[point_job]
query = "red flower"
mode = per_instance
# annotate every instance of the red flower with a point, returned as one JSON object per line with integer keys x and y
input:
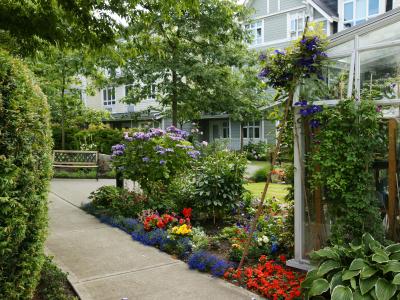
{"x": 160, "y": 224}
{"x": 187, "y": 212}
{"x": 181, "y": 221}
{"x": 282, "y": 258}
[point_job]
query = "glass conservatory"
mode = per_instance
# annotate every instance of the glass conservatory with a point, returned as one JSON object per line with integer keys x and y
{"x": 365, "y": 63}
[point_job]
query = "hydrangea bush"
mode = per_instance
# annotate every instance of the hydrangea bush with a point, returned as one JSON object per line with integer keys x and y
{"x": 154, "y": 158}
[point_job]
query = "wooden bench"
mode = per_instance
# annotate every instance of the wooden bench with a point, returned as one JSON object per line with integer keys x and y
{"x": 76, "y": 159}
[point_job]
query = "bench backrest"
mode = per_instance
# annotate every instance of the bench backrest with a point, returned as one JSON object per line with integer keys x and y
{"x": 71, "y": 157}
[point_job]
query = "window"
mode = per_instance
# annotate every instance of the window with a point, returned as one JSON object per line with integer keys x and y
{"x": 358, "y": 11}
{"x": 296, "y": 25}
{"x": 151, "y": 91}
{"x": 256, "y": 32}
{"x": 251, "y": 130}
{"x": 109, "y": 96}
{"x": 128, "y": 89}
{"x": 225, "y": 129}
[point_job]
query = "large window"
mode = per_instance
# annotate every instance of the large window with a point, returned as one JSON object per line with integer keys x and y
{"x": 256, "y": 32}
{"x": 225, "y": 129}
{"x": 251, "y": 130}
{"x": 296, "y": 25}
{"x": 109, "y": 96}
{"x": 358, "y": 11}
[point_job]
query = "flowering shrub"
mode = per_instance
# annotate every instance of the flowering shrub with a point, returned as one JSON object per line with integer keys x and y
{"x": 269, "y": 278}
{"x": 206, "y": 262}
{"x": 257, "y": 151}
{"x": 154, "y": 158}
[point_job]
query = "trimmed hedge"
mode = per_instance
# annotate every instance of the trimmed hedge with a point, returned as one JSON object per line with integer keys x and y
{"x": 25, "y": 170}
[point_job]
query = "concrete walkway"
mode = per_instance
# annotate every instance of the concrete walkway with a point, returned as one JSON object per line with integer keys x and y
{"x": 105, "y": 263}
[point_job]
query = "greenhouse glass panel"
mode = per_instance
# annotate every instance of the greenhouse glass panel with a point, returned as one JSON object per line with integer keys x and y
{"x": 346, "y": 47}
{"x": 380, "y": 73}
{"x": 385, "y": 34}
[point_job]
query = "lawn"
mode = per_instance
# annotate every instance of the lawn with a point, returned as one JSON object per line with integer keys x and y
{"x": 275, "y": 189}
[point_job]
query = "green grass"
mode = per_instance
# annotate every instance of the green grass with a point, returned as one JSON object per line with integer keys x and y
{"x": 275, "y": 189}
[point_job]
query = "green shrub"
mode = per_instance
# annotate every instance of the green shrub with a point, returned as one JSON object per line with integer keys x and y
{"x": 360, "y": 271}
{"x": 53, "y": 283}
{"x": 219, "y": 183}
{"x": 257, "y": 151}
{"x": 97, "y": 138}
{"x": 70, "y": 133}
{"x": 117, "y": 202}
{"x": 25, "y": 171}
{"x": 83, "y": 174}
{"x": 261, "y": 174}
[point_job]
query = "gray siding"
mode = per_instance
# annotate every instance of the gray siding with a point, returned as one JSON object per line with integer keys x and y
{"x": 273, "y": 6}
{"x": 235, "y": 127}
{"x": 269, "y": 132}
{"x": 288, "y": 4}
{"x": 275, "y": 28}
{"x": 259, "y": 7}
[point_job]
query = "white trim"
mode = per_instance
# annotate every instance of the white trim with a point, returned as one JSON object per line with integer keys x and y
{"x": 230, "y": 128}
{"x": 279, "y": 5}
{"x": 268, "y": 7}
{"x": 321, "y": 11}
{"x": 279, "y": 12}
{"x": 274, "y": 42}
{"x": 262, "y": 130}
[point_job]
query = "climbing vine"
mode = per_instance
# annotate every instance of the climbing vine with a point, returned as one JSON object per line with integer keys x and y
{"x": 342, "y": 151}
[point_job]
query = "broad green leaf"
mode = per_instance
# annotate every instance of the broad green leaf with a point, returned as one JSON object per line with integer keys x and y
{"x": 353, "y": 283}
{"x": 393, "y": 248}
{"x": 357, "y": 264}
{"x": 395, "y": 256}
{"x": 318, "y": 287}
{"x": 370, "y": 242}
{"x": 311, "y": 276}
{"x": 325, "y": 253}
{"x": 396, "y": 279}
{"x": 384, "y": 289}
{"x": 342, "y": 293}
{"x": 336, "y": 280}
{"x": 350, "y": 274}
{"x": 367, "y": 272}
{"x": 391, "y": 266}
{"x": 357, "y": 296}
{"x": 328, "y": 266}
{"x": 367, "y": 284}
{"x": 379, "y": 258}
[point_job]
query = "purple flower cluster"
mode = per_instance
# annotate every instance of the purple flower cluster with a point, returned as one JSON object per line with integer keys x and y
{"x": 193, "y": 153}
{"x": 145, "y": 159}
{"x": 175, "y": 132}
{"x": 118, "y": 150}
{"x": 309, "y": 110}
{"x": 145, "y": 136}
{"x": 312, "y": 56}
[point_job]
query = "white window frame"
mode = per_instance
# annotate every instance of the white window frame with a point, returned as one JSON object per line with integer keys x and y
{"x": 251, "y": 126}
{"x": 108, "y": 96}
{"x": 298, "y": 30}
{"x": 353, "y": 22}
{"x": 226, "y": 128}
{"x": 258, "y": 24}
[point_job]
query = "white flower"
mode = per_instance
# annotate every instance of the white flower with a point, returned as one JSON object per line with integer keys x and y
{"x": 204, "y": 143}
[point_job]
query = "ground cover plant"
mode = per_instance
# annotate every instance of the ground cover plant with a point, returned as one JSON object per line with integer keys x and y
{"x": 362, "y": 270}
{"x": 53, "y": 283}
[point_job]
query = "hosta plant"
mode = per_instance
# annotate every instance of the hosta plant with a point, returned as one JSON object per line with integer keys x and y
{"x": 366, "y": 270}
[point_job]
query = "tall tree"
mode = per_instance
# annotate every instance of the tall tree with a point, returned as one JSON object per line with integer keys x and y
{"x": 194, "y": 60}
{"x": 32, "y": 23}
{"x": 64, "y": 75}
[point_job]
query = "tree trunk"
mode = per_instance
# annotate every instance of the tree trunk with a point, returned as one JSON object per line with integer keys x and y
{"x": 174, "y": 103}
{"x": 62, "y": 118}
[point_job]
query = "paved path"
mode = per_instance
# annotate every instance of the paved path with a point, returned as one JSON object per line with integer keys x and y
{"x": 105, "y": 263}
